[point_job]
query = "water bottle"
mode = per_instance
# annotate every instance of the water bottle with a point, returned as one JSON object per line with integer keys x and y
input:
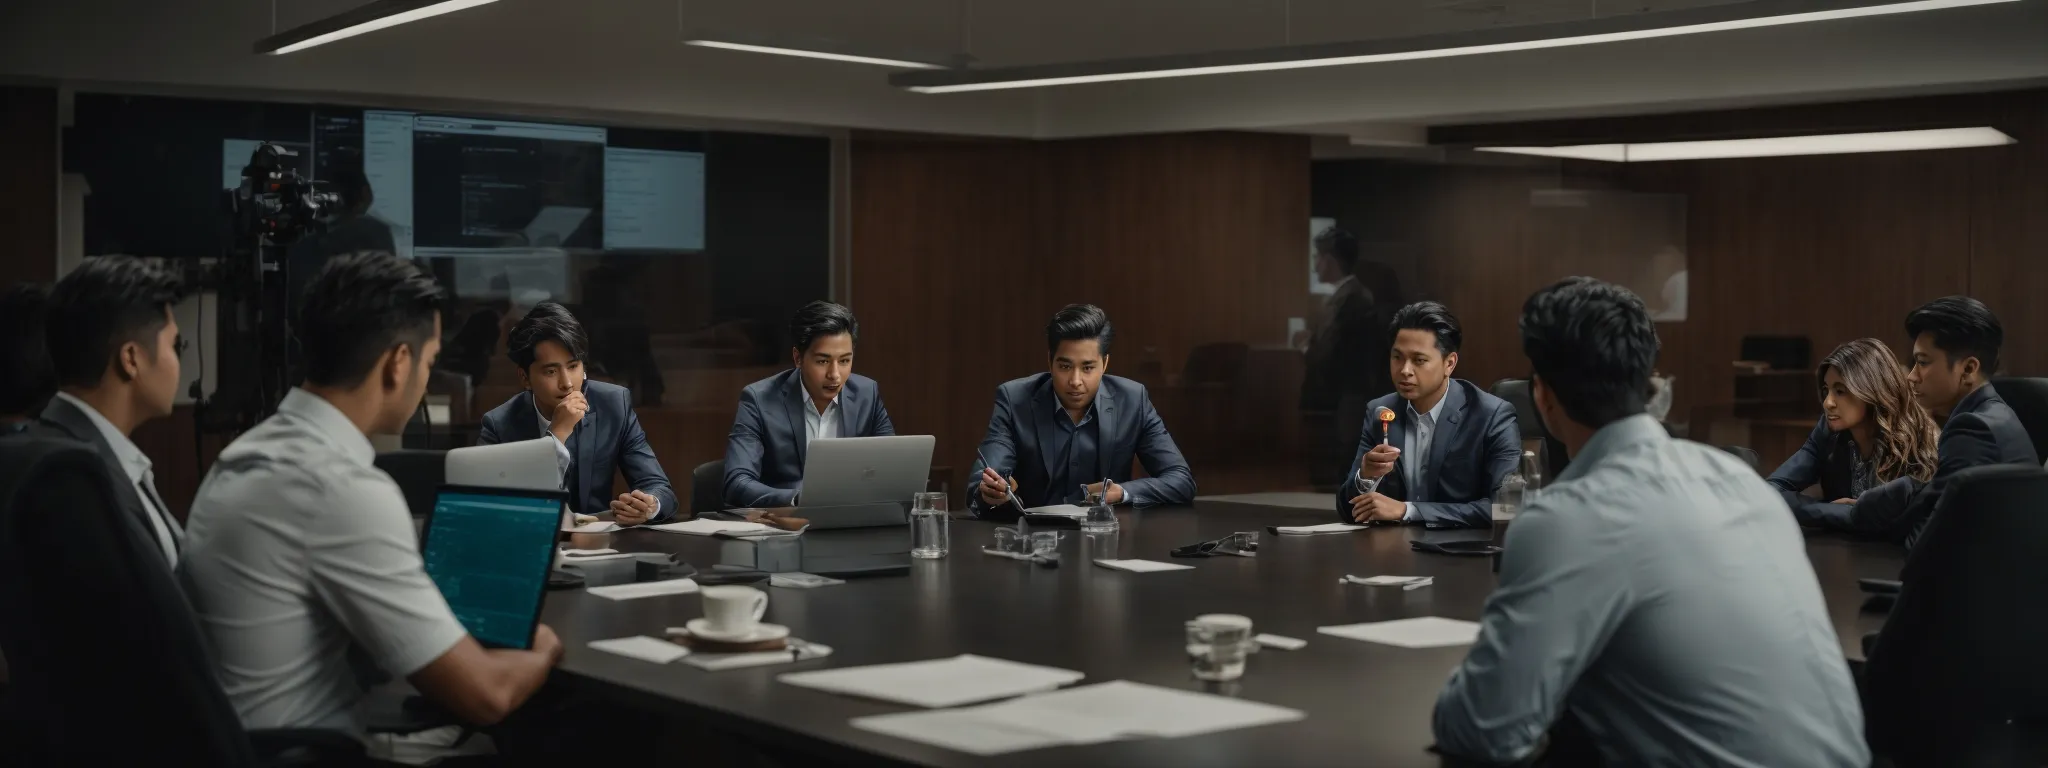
{"x": 1101, "y": 518}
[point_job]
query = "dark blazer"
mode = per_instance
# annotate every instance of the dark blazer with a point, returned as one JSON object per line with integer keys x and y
{"x": 608, "y": 439}
{"x": 1341, "y": 357}
{"x": 1981, "y": 431}
{"x": 1827, "y": 458}
{"x": 1477, "y": 445}
{"x": 66, "y": 420}
{"x": 1126, "y": 426}
{"x": 764, "y": 454}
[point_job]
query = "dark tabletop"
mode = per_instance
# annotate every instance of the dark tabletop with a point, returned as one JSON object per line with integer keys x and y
{"x": 1367, "y": 704}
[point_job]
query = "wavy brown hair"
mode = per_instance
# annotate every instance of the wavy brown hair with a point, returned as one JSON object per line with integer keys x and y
{"x": 1906, "y": 434}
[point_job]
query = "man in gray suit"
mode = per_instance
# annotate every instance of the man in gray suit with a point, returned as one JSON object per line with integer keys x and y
{"x": 114, "y": 344}
{"x": 820, "y": 397}
{"x": 1054, "y": 432}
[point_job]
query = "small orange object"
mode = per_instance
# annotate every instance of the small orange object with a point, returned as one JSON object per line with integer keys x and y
{"x": 1387, "y": 415}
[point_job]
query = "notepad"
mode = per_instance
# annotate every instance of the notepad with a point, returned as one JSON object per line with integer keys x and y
{"x": 1299, "y": 530}
{"x": 1059, "y": 510}
{"x": 1086, "y": 715}
{"x": 1404, "y": 582}
{"x": 646, "y": 589}
{"x": 706, "y": 527}
{"x": 1142, "y": 566}
{"x": 1424, "y": 632}
{"x": 642, "y": 647}
{"x": 963, "y": 679}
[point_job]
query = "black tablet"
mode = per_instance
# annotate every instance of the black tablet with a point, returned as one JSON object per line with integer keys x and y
{"x": 489, "y": 550}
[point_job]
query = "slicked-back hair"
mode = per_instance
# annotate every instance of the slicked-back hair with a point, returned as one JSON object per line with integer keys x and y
{"x": 547, "y": 321}
{"x": 1077, "y": 322}
{"x": 1962, "y": 328}
{"x": 819, "y": 319}
{"x": 106, "y": 302}
{"x": 1434, "y": 318}
{"x": 360, "y": 306}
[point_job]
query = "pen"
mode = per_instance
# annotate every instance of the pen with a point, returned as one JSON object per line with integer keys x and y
{"x": 1006, "y": 488}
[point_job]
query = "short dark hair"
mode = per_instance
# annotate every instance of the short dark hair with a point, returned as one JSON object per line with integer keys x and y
{"x": 1341, "y": 245}
{"x": 547, "y": 321}
{"x": 821, "y": 318}
{"x": 358, "y": 307}
{"x": 24, "y": 352}
{"x": 1594, "y": 346}
{"x": 1433, "y": 317}
{"x": 1081, "y": 321}
{"x": 1962, "y": 327}
{"x": 106, "y": 302}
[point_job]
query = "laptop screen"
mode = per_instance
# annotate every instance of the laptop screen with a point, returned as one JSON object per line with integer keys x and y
{"x": 489, "y": 552}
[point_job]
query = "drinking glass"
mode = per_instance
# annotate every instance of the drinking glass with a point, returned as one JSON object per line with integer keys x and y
{"x": 1216, "y": 645}
{"x": 1101, "y": 517}
{"x": 929, "y": 534}
{"x": 1045, "y": 542}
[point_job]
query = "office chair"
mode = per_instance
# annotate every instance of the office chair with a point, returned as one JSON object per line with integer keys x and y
{"x": 1530, "y": 425}
{"x": 419, "y": 474}
{"x": 1747, "y": 455}
{"x": 2029, "y": 400}
{"x": 104, "y": 652}
{"x": 1957, "y": 676}
{"x": 707, "y": 488}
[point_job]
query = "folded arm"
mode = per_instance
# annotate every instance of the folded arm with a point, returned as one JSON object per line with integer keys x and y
{"x": 1799, "y": 472}
{"x": 643, "y": 471}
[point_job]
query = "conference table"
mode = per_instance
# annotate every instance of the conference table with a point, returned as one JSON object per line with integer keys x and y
{"x": 1366, "y": 704}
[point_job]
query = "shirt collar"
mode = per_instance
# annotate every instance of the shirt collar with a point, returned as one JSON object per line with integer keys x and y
{"x": 330, "y": 423}
{"x": 811, "y": 406}
{"x": 132, "y": 458}
{"x": 1435, "y": 411}
{"x": 1640, "y": 428}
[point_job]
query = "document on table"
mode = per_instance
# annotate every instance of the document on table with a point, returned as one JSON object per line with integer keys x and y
{"x": 646, "y": 589}
{"x": 715, "y": 662}
{"x": 704, "y": 527}
{"x": 1406, "y": 583}
{"x": 1424, "y": 632}
{"x": 963, "y": 679}
{"x": 1086, "y": 715}
{"x": 1059, "y": 510}
{"x": 601, "y": 526}
{"x": 1142, "y": 566}
{"x": 642, "y": 647}
{"x": 1297, "y": 530}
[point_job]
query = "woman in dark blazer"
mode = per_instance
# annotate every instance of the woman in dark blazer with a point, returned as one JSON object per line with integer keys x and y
{"x": 1872, "y": 431}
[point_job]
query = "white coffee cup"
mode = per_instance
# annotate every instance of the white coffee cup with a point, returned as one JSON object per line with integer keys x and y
{"x": 734, "y": 609}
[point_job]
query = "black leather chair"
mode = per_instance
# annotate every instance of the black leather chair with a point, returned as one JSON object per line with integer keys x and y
{"x": 419, "y": 474}
{"x": 2029, "y": 400}
{"x": 1530, "y": 425}
{"x": 107, "y": 661}
{"x": 707, "y": 487}
{"x": 1746, "y": 454}
{"x": 1957, "y": 677}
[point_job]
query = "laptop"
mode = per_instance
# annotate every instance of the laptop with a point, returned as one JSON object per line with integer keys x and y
{"x": 860, "y": 481}
{"x": 489, "y": 551}
{"x": 529, "y": 464}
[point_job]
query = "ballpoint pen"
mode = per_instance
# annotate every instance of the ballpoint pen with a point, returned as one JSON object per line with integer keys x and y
{"x": 1006, "y": 486}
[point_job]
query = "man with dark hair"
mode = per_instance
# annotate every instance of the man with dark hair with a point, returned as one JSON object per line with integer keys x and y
{"x": 1450, "y": 444}
{"x": 24, "y": 354}
{"x": 1338, "y": 378}
{"x": 1955, "y": 353}
{"x": 114, "y": 346}
{"x": 1054, "y": 432}
{"x": 302, "y": 551}
{"x": 592, "y": 423}
{"x": 819, "y": 397}
{"x": 1656, "y": 596}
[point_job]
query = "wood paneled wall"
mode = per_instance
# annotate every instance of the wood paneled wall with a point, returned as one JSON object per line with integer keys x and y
{"x": 29, "y": 163}
{"x": 962, "y": 250}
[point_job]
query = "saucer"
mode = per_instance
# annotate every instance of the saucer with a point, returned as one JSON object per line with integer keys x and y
{"x": 762, "y": 632}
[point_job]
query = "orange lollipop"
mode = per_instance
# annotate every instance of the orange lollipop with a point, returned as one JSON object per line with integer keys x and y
{"x": 1386, "y": 417}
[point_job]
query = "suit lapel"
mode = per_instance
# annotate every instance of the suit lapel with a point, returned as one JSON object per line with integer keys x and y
{"x": 1048, "y": 408}
{"x": 65, "y": 416}
{"x": 1105, "y": 429}
{"x": 1447, "y": 427}
{"x": 792, "y": 407}
{"x": 847, "y": 397}
{"x": 1396, "y": 434}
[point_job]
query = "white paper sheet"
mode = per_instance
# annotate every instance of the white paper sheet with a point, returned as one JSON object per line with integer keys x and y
{"x": 963, "y": 679}
{"x": 1062, "y": 510}
{"x": 601, "y": 526}
{"x": 1406, "y": 583}
{"x": 1086, "y": 715}
{"x": 1298, "y": 530}
{"x": 1424, "y": 632}
{"x": 707, "y": 527}
{"x": 642, "y": 647}
{"x": 646, "y": 589}
{"x": 1281, "y": 642}
{"x": 714, "y": 662}
{"x": 1142, "y": 566}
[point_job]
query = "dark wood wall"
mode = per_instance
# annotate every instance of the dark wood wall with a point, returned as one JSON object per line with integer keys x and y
{"x": 962, "y": 250}
{"x": 29, "y": 167}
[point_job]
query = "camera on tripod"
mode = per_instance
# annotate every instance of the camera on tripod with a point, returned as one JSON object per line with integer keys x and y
{"x": 274, "y": 203}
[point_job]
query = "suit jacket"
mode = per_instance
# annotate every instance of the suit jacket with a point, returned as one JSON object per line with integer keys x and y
{"x": 66, "y": 420}
{"x": 1477, "y": 445}
{"x": 764, "y": 454}
{"x": 1344, "y": 351}
{"x": 1126, "y": 426}
{"x": 1827, "y": 458}
{"x": 1981, "y": 431}
{"x": 608, "y": 439}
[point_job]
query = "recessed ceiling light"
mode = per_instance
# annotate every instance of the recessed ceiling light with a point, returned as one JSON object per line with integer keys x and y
{"x": 1782, "y": 146}
{"x": 368, "y": 17}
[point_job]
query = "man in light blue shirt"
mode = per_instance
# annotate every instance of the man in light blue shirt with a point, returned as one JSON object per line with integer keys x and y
{"x": 1657, "y": 593}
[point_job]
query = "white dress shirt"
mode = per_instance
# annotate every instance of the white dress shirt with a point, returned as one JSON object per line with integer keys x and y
{"x": 1421, "y": 435}
{"x": 547, "y": 427}
{"x": 140, "y": 478}
{"x": 299, "y": 551}
{"x": 820, "y": 424}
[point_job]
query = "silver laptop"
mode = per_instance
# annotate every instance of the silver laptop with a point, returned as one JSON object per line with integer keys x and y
{"x": 526, "y": 465}
{"x": 860, "y": 481}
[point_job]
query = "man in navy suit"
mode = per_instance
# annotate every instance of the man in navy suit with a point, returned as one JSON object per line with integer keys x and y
{"x": 1955, "y": 351}
{"x": 1054, "y": 432}
{"x": 1450, "y": 444}
{"x": 779, "y": 416}
{"x": 592, "y": 423}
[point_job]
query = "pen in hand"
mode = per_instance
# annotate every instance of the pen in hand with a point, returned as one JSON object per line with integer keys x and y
{"x": 1007, "y": 491}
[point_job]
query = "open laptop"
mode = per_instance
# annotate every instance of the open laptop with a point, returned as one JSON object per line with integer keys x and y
{"x": 489, "y": 551}
{"x": 851, "y": 482}
{"x": 528, "y": 464}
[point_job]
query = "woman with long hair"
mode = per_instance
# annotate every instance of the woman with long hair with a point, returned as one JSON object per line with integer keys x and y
{"x": 1872, "y": 431}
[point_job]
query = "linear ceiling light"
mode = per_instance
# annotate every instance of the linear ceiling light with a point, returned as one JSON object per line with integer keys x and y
{"x": 1830, "y": 144}
{"x": 813, "y": 54}
{"x": 368, "y": 17}
{"x": 1689, "y": 21}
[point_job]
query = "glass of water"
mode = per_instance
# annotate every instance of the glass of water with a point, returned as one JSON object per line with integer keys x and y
{"x": 1216, "y": 645}
{"x": 929, "y": 537}
{"x": 1101, "y": 517}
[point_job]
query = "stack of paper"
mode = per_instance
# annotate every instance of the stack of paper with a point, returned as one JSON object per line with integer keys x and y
{"x": 1404, "y": 582}
{"x": 646, "y": 589}
{"x": 1424, "y": 632}
{"x": 1086, "y": 715}
{"x": 963, "y": 679}
{"x": 1142, "y": 566}
{"x": 1300, "y": 530}
{"x": 707, "y": 527}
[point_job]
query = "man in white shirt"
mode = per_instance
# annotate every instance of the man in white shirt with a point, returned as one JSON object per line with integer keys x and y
{"x": 114, "y": 344}
{"x": 299, "y": 550}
